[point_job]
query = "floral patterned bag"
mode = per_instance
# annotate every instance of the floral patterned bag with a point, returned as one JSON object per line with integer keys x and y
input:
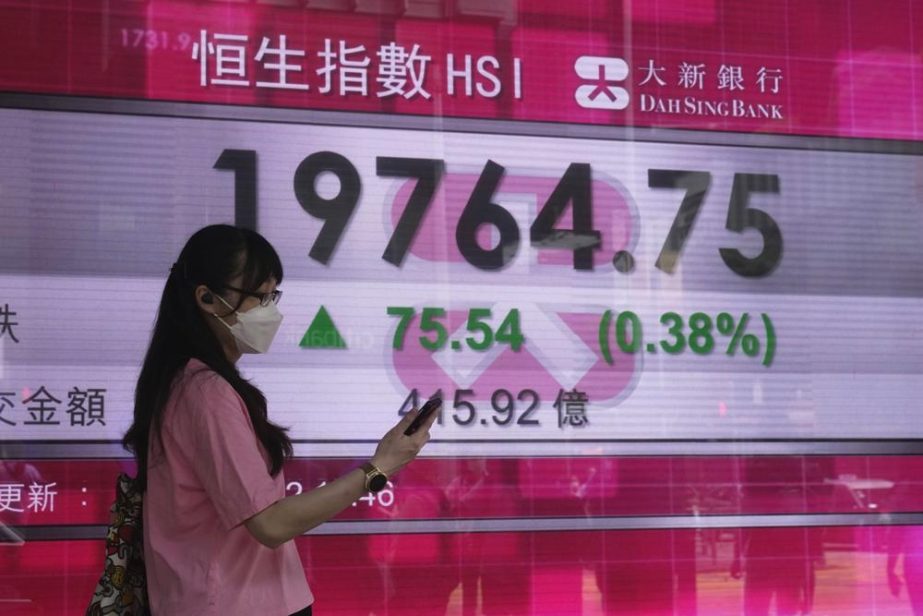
{"x": 122, "y": 588}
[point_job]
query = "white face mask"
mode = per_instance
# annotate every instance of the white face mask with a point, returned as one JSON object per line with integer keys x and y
{"x": 255, "y": 329}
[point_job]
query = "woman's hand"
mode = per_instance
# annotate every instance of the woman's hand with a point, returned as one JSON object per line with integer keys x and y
{"x": 295, "y": 515}
{"x": 396, "y": 450}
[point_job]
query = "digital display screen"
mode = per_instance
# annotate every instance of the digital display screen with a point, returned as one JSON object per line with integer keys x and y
{"x": 552, "y": 288}
{"x": 660, "y": 260}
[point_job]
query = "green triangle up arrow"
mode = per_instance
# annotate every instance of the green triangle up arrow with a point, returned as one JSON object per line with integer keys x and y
{"x": 322, "y": 333}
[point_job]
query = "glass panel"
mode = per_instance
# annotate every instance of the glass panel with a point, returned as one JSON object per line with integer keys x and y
{"x": 731, "y": 571}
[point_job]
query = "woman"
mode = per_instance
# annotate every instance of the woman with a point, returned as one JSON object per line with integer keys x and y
{"x": 218, "y": 527}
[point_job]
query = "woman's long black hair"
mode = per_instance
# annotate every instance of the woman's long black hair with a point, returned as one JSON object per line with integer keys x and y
{"x": 213, "y": 256}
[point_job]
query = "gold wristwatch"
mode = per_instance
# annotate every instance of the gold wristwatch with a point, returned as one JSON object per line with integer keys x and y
{"x": 375, "y": 479}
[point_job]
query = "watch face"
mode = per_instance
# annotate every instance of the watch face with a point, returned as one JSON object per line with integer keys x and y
{"x": 377, "y": 482}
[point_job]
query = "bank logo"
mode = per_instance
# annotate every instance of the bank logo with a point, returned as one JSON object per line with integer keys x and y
{"x": 561, "y": 352}
{"x": 605, "y": 75}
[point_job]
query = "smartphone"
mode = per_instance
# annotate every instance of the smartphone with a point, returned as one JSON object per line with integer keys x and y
{"x": 432, "y": 405}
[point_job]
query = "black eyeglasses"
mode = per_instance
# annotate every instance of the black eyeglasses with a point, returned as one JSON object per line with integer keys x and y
{"x": 273, "y": 297}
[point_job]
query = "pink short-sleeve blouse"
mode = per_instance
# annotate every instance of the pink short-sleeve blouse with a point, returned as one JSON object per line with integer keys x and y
{"x": 211, "y": 475}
